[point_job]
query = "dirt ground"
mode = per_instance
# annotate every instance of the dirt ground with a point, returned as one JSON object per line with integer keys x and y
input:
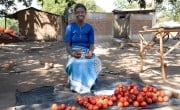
{"x": 22, "y": 66}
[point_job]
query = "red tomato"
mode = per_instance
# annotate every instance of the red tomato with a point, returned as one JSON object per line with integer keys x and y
{"x": 95, "y": 107}
{"x": 105, "y": 105}
{"x": 154, "y": 99}
{"x": 110, "y": 103}
{"x": 143, "y": 104}
{"x": 149, "y": 94}
{"x": 144, "y": 89}
{"x": 126, "y": 104}
{"x": 149, "y": 100}
{"x": 154, "y": 89}
{"x": 120, "y": 104}
{"x": 122, "y": 99}
{"x": 114, "y": 98}
{"x": 136, "y": 104}
{"x": 73, "y": 108}
{"x": 140, "y": 98}
{"x": 68, "y": 108}
{"x": 62, "y": 106}
{"x": 90, "y": 107}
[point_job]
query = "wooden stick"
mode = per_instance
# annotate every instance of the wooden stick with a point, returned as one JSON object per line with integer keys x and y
{"x": 172, "y": 48}
{"x": 141, "y": 52}
{"x": 162, "y": 57}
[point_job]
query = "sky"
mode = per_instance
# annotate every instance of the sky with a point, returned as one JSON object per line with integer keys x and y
{"x": 107, "y": 5}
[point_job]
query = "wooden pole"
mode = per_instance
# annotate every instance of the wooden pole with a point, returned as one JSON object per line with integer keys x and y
{"x": 141, "y": 53}
{"x": 162, "y": 56}
{"x": 5, "y": 22}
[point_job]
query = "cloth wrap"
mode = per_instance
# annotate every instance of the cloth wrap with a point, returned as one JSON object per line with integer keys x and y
{"x": 82, "y": 72}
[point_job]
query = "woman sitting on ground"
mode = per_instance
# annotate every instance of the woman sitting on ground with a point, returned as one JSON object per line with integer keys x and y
{"x": 83, "y": 66}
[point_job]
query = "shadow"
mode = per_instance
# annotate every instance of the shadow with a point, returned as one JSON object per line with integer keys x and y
{"x": 28, "y": 72}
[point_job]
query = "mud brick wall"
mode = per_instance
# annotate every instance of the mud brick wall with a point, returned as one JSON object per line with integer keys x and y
{"x": 39, "y": 25}
{"x": 137, "y": 21}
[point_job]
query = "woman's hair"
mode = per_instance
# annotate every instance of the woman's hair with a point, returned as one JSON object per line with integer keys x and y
{"x": 79, "y": 5}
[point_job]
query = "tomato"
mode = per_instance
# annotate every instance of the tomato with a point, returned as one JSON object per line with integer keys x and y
{"x": 161, "y": 93}
{"x": 132, "y": 91}
{"x": 62, "y": 107}
{"x": 68, "y": 108}
{"x": 133, "y": 97}
{"x": 144, "y": 89}
{"x": 126, "y": 104}
{"x": 142, "y": 93}
{"x": 130, "y": 100}
{"x": 154, "y": 89}
{"x": 149, "y": 100}
{"x": 122, "y": 99}
{"x": 105, "y": 105}
{"x": 119, "y": 96}
{"x": 110, "y": 103}
{"x": 92, "y": 101}
{"x": 114, "y": 98}
{"x": 90, "y": 107}
{"x": 129, "y": 87}
{"x": 54, "y": 107}
{"x": 154, "y": 99}
{"x": 136, "y": 104}
{"x": 150, "y": 89}
{"x": 73, "y": 108}
{"x": 136, "y": 92}
{"x": 120, "y": 104}
{"x": 140, "y": 98}
{"x": 165, "y": 98}
{"x": 95, "y": 107}
{"x": 160, "y": 99}
{"x": 149, "y": 94}
{"x": 143, "y": 104}
{"x": 116, "y": 91}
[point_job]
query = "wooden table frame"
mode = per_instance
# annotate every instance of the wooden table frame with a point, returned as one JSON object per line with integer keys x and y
{"x": 144, "y": 45}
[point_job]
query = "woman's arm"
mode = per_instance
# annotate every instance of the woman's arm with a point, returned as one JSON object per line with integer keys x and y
{"x": 70, "y": 52}
{"x": 68, "y": 49}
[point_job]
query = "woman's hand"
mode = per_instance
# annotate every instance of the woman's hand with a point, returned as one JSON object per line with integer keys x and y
{"x": 89, "y": 54}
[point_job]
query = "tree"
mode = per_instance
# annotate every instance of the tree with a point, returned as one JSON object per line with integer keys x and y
{"x": 142, "y": 3}
{"x": 124, "y": 4}
{"x": 90, "y": 5}
{"x": 59, "y": 6}
{"x": 168, "y": 11}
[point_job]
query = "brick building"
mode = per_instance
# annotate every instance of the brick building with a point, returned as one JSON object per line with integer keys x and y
{"x": 127, "y": 23}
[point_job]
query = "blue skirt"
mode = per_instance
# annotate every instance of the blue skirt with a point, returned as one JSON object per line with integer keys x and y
{"x": 82, "y": 72}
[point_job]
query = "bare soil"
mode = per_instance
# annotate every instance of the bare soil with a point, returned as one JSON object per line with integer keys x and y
{"x": 25, "y": 65}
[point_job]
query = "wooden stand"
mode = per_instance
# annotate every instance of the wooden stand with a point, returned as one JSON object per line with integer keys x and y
{"x": 144, "y": 45}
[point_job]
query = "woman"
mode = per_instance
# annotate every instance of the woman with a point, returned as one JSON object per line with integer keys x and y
{"x": 83, "y": 66}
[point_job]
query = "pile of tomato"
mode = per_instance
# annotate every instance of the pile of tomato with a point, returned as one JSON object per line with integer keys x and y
{"x": 62, "y": 107}
{"x": 124, "y": 96}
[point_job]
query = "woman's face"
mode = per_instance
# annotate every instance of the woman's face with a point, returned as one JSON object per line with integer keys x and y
{"x": 80, "y": 14}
